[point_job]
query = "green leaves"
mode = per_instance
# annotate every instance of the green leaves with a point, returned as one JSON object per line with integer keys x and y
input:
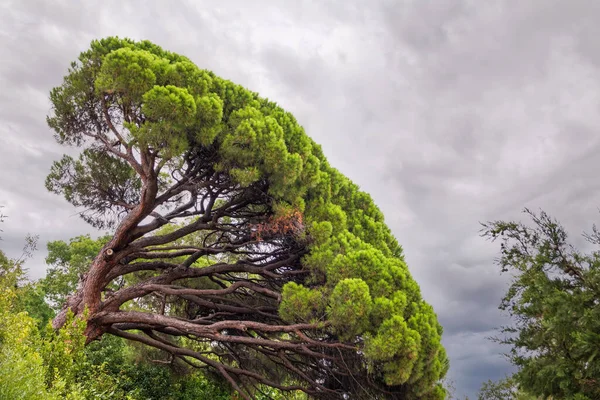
{"x": 101, "y": 183}
{"x": 397, "y": 346}
{"x": 66, "y": 263}
{"x": 168, "y": 110}
{"x": 281, "y": 237}
{"x": 554, "y": 299}
{"x": 128, "y": 72}
{"x": 21, "y": 366}
{"x": 209, "y": 116}
{"x": 169, "y": 104}
{"x": 301, "y": 304}
{"x": 349, "y": 308}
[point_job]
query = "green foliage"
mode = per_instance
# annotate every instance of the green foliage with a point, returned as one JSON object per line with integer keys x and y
{"x": 64, "y": 355}
{"x": 57, "y": 365}
{"x": 349, "y": 307}
{"x": 119, "y": 370}
{"x": 300, "y": 303}
{"x": 21, "y": 366}
{"x": 504, "y": 389}
{"x": 554, "y": 299}
{"x": 91, "y": 181}
{"x": 179, "y": 118}
{"x": 22, "y": 295}
{"x": 130, "y": 73}
{"x": 398, "y": 344}
{"x": 21, "y": 369}
{"x": 68, "y": 261}
{"x": 32, "y": 299}
{"x": 169, "y": 110}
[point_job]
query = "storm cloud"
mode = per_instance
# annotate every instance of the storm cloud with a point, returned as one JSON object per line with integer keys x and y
{"x": 448, "y": 113}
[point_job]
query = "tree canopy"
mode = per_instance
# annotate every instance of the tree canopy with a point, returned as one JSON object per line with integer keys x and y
{"x": 234, "y": 245}
{"x": 554, "y": 301}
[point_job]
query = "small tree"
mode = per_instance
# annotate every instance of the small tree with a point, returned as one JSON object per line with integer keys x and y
{"x": 554, "y": 300}
{"x": 273, "y": 267}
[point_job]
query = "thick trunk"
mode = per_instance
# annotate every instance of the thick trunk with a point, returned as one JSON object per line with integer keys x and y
{"x": 91, "y": 285}
{"x": 87, "y": 296}
{"x": 73, "y": 303}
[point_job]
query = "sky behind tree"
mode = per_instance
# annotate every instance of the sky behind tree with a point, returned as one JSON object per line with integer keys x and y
{"x": 448, "y": 113}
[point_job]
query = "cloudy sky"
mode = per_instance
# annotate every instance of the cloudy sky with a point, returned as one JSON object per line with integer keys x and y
{"x": 448, "y": 112}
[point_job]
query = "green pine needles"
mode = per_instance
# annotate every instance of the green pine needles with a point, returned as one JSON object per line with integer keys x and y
{"x": 235, "y": 244}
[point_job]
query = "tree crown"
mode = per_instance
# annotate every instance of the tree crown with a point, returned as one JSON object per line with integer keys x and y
{"x": 223, "y": 205}
{"x": 553, "y": 299}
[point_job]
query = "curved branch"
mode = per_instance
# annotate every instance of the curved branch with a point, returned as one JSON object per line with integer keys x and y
{"x": 178, "y": 290}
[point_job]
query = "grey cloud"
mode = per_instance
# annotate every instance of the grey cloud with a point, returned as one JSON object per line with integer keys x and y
{"x": 506, "y": 113}
{"x": 474, "y": 360}
{"x": 449, "y": 113}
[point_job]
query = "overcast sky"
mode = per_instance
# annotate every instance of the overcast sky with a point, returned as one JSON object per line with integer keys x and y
{"x": 447, "y": 112}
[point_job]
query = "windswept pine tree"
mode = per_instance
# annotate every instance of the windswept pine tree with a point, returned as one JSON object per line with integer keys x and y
{"x": 235, "y": 245}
